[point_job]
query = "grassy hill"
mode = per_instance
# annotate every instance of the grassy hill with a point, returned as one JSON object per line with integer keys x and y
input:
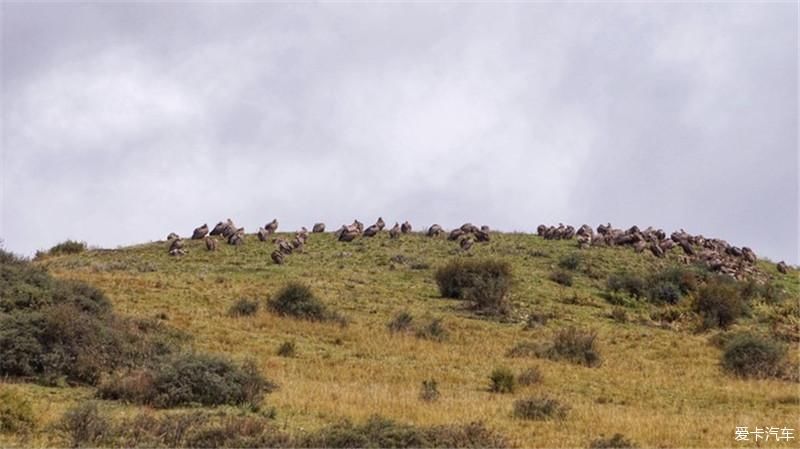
{"x": 660, "y": 381}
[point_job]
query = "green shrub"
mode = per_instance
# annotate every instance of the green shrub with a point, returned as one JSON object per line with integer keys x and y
{"x": 719, "y": 303}
{"x": 486, "y": 283}
{"x": 401, "y": 322}
{"x": 188, "y": 379}
{"x": 664, "y": 292}
{"x": 575, "y": 345}
{"x": 243, "y": 307}
{"x": 429, "y": 391}
{"x": 530, "y": 376}
{"x": 628, "y": 283}
{"x": 433, "y": 330}
{"x": 561, "y": 277}
{"x": 298, "y": 301}
{"x": 618, "y": 441}
{"x": 570, "y": 262}
{"x": 67, "y": 247}
{"x": 16, "y": 414}
{"x": 502, "y": 381}
{"x": 539, "y": 408}
{"x": 686, "y": 279}
{"x": 748, "y": 355}
{"x": 286, "y": 349}
{"x": 84, "y": 426}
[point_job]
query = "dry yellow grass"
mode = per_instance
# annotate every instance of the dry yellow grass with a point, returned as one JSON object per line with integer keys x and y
{"x": 659, "y": 387}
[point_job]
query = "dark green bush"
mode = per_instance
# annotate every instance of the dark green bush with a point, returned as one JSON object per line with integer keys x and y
{"x": 687, "y": 279}
{"x": 561, "y": 277}
{"x": 570, "y": 262}
{"x": 628, "y": 283}
{"x": 188, "y": 379}
{"x": 618, "y": 441}
{"x": 16, "y": 414}
{"x": 84, "y": 425}
{"x": 530, "y": 376}
{"x": 720, "y": 304}
{"x": 286, "y": 349}
{"x": 502, "y": 381}
{"x": 575, "y": 345}
{"x": 539, "y": 408}
{"x": 298, "y": 301}
{"x": 243, "y": 307}
{"x": 67, "y": 247}
{"x": 429, "y": 391}
{"x": 664, "y": 292}
{"x": 486, "y": 283}
{"x": 401, "y": 322}
{"x": 748, "y": 355}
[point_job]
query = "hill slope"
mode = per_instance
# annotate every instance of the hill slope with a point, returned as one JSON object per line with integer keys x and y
{"x": 659, "y": 383}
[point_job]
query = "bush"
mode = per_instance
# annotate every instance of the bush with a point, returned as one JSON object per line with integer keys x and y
{"x": 628, "y": 283}
{"x": 537, "y": 319}
{"x": 429, "y": 391}
{"x": 472, "y": 435}
{"x": 84, "y": 425}
{"x": 748, "y": 355}
{"x": 539, "y": 408}
{"x": 401, "y": 322}
{"x": 575, "y": 345}
{"x": 561, "y": 277}
{"x": 16, "y": 414}
{"x": 502, "y": 381}
{"x": 434, "y": 330}
{"x": 618, "y": 441}
{"x": 530, "y": 376}
{"x": 526, "y": 349}
{"x": 243, "y": 307}
{"x": 719, "y": 303}
{"x": 619, "y": 315}
{"x": 190, "y": 379}
{"x": 297, "y": 300}
{"x": 684, "y": 278}
{"x": 664, "y": 292}
{"x": 67, "y": 247}
{"x": 286, "y": 349}
{"x": 570, "y": 261}
{"x": 486, "y": 283}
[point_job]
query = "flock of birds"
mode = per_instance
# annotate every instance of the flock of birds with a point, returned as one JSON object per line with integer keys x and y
{"x": 466, "y": 235}
{"x": 716, "y": 254}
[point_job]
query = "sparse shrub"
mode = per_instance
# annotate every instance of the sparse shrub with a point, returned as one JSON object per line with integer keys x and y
{"x": 429, "y": 391}
{"x": 719, "y": 303}
{"x": 539, "y": 408}
{"x": 190, "y": 379}
{"x": 401, "y": 322}
{"x": 502, "y": 381}
{"x": 575, "y": 345}
{"x": 748, "y": 355}
{"x": 561, "y": 277}
{"x": 530, "y": 376}
{"x": 486, "y": 283}
{"x": 537, "y": 319}
{"x": 664, "y": 292}
{"x": 67, "y": 247}
{"x": 420, "y": 265}
{"x": 433, "y": 330}
{"x": 686, "y": 279}
{"x": 375, "y": 432}
{"x": 286, "y": 349}
{"x": 619, "y": 315}
{"x": 570, "y": 262}
{"x": 472, "y": 435}
{"x": 243, "y": 307}
{"x": 84, "y": 425}
{"x": 628, "y": 283}
{"x": 297, "y": 300}
{"x": 16, "y": 414}
{"x": 618, "y": 441}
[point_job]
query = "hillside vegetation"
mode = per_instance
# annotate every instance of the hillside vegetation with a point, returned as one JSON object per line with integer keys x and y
{"x": 356, "y": 344}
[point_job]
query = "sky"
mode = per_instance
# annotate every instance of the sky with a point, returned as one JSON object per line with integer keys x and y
{"x": 124, "y": 122}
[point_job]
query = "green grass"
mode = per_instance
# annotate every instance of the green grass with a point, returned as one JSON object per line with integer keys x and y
{"x": 658, "y": 385}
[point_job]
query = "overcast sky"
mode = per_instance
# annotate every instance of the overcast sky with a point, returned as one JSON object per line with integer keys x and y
{"x": 123, "y": 122}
